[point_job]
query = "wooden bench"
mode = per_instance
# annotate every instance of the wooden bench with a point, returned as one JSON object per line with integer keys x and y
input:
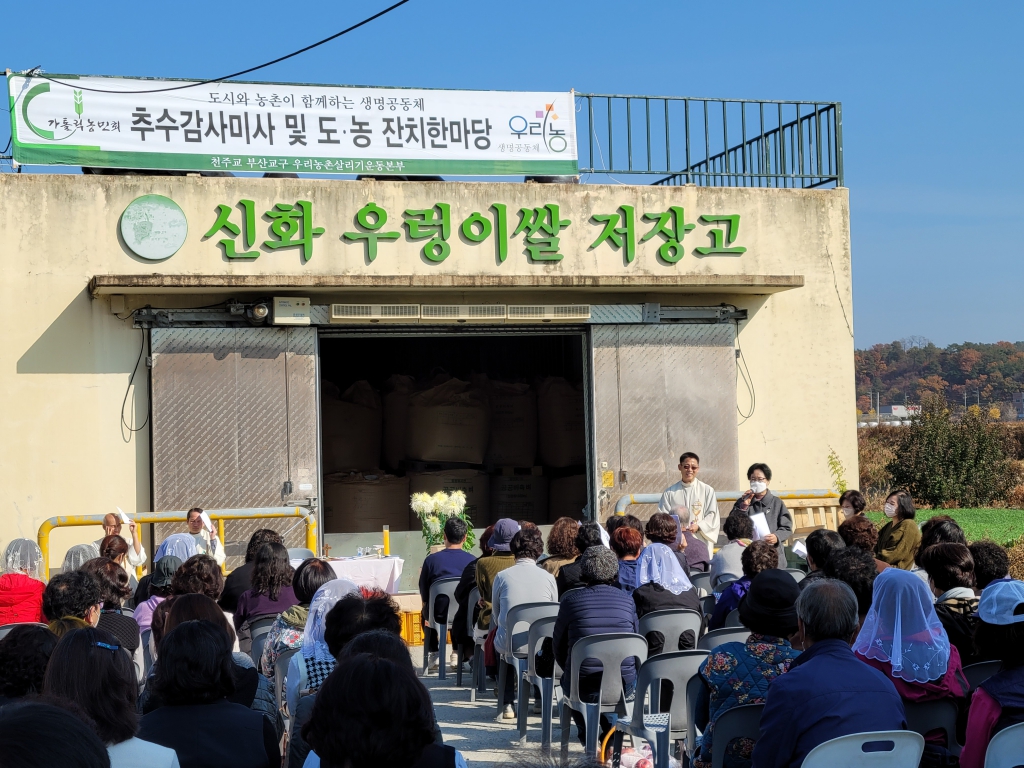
{"x": 814, "y": 514}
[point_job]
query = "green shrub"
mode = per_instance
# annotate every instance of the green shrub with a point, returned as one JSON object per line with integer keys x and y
{"x": 943, "y": 462}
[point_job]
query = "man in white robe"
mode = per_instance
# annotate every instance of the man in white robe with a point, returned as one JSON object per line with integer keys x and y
{"x": 697, "y": 497}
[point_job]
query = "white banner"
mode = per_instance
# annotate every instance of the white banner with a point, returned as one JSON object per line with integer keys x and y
{"x": 274, "y": 127}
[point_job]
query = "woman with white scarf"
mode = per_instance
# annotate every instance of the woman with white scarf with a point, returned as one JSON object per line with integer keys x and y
{"x": 662, "y": 584}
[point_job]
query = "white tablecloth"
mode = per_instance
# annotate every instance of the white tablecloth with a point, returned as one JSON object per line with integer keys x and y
{"x": 375, "y": 573}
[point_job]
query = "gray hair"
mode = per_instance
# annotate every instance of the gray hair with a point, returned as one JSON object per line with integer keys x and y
{"x": 828, "y": 609}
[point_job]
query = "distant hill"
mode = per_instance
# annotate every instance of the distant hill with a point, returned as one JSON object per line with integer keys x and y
{"x": 904, "y": 371}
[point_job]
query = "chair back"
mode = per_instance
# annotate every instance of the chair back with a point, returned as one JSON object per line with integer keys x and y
{"x": 147, "y": 653}
{"x": 258, "y": 631}
{"x": 888, "y": 749}
{"x": 707, "y": 604}
{"x": 519, "y": 619}
{"x": 300, "y": 553}
{"x": 474, "y": 598}
{"x": 797, "y": 574}
{"x": 1006, "y": 749}
{"x": 925, "y": 716}
{"x": 281, "y": 674}
{"x": 672, "y": 624}
{"x": 676, "y": 667}
{"x": 732, "y": 621}
{"x": 540, "y": 630}
{"x": 693, "y": 686}
{"x": 701, "y": 581}
{"x": 441, "y": 587}
{"x": 561, "y": 597}
{"x": 977, "y": 674}
{"x": 6, "y": 628}
{"x": 737, "y": 723}
{"x": 611, "y": 650}
{"x": 716, "y": 637}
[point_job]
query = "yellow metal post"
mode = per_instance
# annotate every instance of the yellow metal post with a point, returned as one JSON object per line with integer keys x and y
{"x": 220, "y": 535}
{"x": 387, "y": 540}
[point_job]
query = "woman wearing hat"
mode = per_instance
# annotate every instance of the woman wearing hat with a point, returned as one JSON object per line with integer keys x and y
{"x": 740, "y": 673}
{"x": 489, "y": 567}
{"x": 999, "y": 702}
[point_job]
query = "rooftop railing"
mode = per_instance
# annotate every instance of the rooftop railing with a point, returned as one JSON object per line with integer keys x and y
{"x": 711, "y": 142}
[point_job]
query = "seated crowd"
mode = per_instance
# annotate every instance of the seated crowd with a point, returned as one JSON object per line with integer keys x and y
{"x": 882, "y": 621}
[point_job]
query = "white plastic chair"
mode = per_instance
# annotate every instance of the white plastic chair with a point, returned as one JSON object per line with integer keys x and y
{"x": 893, "y": 749}
{"x": 540, "y": 630}
{"x": 977, "y": 674}
{"x": 926, "y": 716}
{"x": 258, "y": 631}
{"x": 479, "y": 673}
{"x": 440, "y": 587}
{"x": 517, "y": 632}
{"x": 702, "y": 582}
{"x": 717, "y": 637}
{"x": 1006, "y": 749}
{"x": 6, "y": 628}
{"x": 732, "y": 621}
{"x": 280, "y": 681}
{"x": 797, "y": 574}
{"x": 671, "y": 624}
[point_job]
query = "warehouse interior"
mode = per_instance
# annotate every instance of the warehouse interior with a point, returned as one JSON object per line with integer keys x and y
{"x": 499, "y": 415}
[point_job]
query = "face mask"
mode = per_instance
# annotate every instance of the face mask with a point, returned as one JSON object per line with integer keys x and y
{"x": 890, "y": 510}
{"x": 758, "y": 487}
{"x": 848, "y": 511}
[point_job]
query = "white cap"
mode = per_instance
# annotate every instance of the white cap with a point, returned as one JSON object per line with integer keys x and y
{"x": 999, "y": 600}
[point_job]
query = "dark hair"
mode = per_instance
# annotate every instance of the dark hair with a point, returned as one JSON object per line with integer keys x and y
{"x": 859, "y": 532}
{"x": 615, "y": 522}
{"x": 941, "y": 529}
{"x": 738, "y": 527}
{"x": 197, "y": 608}
{"x": 1002, "y": 641}
{"x": 759, "y": 556}
{"x": 380, "y": 644}
{"x": 485, "y": 541}
{"x": 355, "y": 613}
{"x": 71, "y": 594}
{"x": 856, "y": 499}
{"x": 855, "y": 567}
{"x": 113, "y": 547}
{"x": 158, "y": 622}
{"x": 763, "y": 467}
{"x": 528, "y": 542}
{"x": 309, "y": 577}
{"x": 100, "y": 680}
{"x": 199, "y": 575}
{"x": 271, "y": 571}
{"x": 627, "y": 541}
{"x": 258, "y": 539}
{"x": 455, "y": 530}
{"x": 588, "y": 535}
{"x": 195, "y": 665}
{"x": 188, "y": 515}
{"x": 689, "y": 455}
{"x": 821, "y": 544}
{"x": 662, "y": 529}
{"x": 112, "y": 578}
{"x": 36, "y": 733}
{"x": 370, "y": 711}
{"x": 562, "y": 539}
{"x": 948, "y": 565}
{"x": 991, "y": 562}
{"x": 24, "y": 653}
{"x": 904, "y": 504}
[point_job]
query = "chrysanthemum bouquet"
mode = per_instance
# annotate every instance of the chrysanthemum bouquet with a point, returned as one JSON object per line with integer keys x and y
{"x": 434, "y": 511}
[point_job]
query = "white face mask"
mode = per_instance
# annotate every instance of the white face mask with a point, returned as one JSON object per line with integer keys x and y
{"x": 890, "y": 509}
{"x": 758, "y": 486}
{"x": 847, "y": 512}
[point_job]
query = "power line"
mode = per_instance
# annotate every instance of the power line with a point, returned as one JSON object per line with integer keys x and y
{"x": 234, "y": 74}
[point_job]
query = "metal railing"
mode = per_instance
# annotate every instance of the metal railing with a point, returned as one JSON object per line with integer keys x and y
{"x": 654, "y": 498}
{"x": 220, "y": 515}
{"x": 711, "y": 142}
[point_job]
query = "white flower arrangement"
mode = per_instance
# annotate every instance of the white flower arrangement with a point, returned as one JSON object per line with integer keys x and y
{"x": 434, "y": 511}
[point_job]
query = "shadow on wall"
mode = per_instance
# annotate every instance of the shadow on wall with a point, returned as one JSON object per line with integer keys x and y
{"x": 85, "y": 338}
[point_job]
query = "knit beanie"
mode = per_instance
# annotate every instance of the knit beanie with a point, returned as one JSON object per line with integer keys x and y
{"x": 599, "y": 565}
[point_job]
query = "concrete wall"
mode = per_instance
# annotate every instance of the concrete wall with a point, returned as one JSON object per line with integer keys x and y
{"x": 66, "y": 360}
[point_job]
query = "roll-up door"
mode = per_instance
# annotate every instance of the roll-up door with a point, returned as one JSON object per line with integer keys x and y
{"x": 235, "y": 423}
{"x": 661, "y": 389}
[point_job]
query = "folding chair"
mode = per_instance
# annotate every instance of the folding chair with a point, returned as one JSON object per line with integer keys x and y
{"x": 717, "y": 637}
{"x": 925, "y": 716}
{"x": 671, "y": 624}
{"x": 518, "y": 636}
{"x": 657, "y": 728}
{"x": 737, "y": 723}
{"x": 540, "y": 630}
{"x": 889, "y": 749}
{"x": 440, "y": 587}
{"x": 611, "y": 650}
{"x": 1006, "y": 749}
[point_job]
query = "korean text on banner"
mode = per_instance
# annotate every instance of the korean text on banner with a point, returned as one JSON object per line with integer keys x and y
{"x": 234, "y": 126}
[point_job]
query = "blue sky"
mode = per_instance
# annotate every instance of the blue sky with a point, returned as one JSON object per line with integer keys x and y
{"x": 931, "y": 102}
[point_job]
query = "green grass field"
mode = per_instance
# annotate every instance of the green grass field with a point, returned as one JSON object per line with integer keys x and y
{"x": 1001, "y": 525}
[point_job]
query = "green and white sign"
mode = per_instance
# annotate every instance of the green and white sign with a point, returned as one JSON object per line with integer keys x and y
{"x": 273, "y": 127}
{"x": 154, "y": 227}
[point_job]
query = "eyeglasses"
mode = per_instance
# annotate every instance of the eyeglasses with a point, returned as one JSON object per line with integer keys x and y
{"x": 108, "y": 646}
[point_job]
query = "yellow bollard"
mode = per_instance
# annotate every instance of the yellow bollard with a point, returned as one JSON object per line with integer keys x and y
{"x": 387, "y": 540}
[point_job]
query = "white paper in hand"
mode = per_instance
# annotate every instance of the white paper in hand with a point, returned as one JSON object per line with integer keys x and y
{"x": 760, "y": 526}
{"x": 124, "y": 517}
{"x": 799, "y": 549}
{"x": 208, "y": 523}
